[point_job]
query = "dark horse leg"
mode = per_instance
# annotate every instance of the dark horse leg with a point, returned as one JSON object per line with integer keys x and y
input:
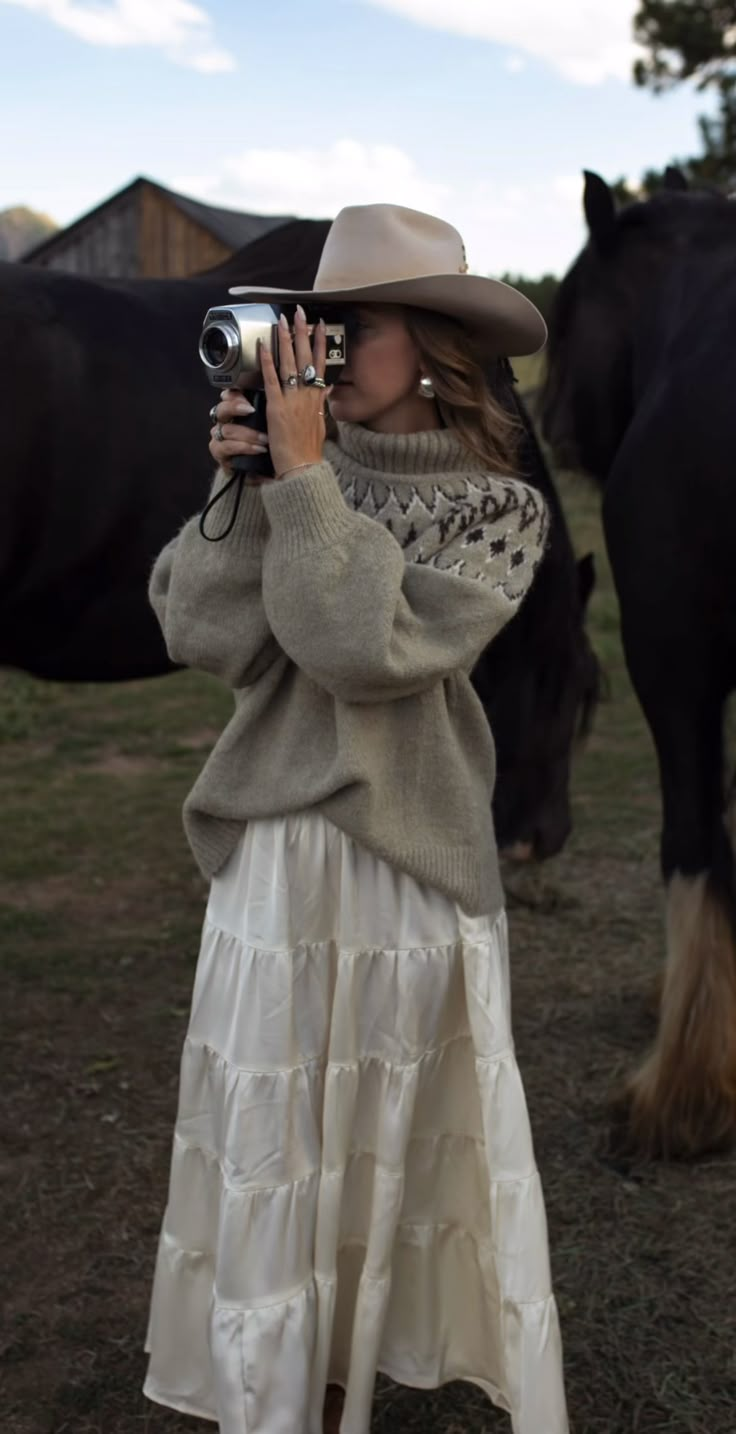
{"x": 682, "y": 1100}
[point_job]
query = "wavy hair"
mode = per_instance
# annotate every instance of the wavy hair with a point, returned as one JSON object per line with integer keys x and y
{"x": 464, "y": 384}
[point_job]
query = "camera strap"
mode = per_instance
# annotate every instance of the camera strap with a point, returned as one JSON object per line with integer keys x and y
{"x": 238, "y": 478}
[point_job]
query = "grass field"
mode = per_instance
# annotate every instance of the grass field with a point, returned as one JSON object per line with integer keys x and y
{"x": 100, "y": 908}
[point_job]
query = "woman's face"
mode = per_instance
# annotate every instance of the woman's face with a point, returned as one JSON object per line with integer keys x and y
{"x": 379, "y": 386}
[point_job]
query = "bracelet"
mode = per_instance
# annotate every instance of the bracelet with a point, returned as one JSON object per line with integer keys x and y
{"x": 296, "y": 468}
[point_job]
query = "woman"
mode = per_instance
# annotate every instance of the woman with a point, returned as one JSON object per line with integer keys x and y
{"x": 353, "y": 1185}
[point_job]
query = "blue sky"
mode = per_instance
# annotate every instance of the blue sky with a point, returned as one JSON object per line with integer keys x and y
{"x": 482, "y": 111}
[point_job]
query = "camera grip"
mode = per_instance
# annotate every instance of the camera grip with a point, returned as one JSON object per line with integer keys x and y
{"x": 255, "y": 465}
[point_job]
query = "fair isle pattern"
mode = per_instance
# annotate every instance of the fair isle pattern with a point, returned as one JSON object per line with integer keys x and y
{"x": 471, "y": 523}
{"x": 496, "y": 534}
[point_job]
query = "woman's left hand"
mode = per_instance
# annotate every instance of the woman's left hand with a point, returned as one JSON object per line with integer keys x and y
{"x": 295, "y": 414}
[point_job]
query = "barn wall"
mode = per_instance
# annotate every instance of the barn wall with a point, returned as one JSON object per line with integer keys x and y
{"x": 106, "y": 245}
{"x": 171, "y": 245}
{"x": 140, "y": 234}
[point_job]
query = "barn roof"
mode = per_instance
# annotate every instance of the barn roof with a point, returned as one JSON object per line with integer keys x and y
{"x": 232, "y": 227}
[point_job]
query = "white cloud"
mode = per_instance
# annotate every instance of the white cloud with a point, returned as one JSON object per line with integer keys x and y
{"x": 515, "y": 64}
{"x": 181, "y": 29}
{"x": 315, "y": 183}
{"x": 588, "y": 41}
{"x": 527, "y": 228}
{"x": 524, "y": 227}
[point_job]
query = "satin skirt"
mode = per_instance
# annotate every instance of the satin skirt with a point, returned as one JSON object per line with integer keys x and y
{"x": 353, "y": 1185}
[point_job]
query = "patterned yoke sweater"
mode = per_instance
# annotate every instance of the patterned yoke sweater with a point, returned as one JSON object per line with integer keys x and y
{"x": 347, "y": 608}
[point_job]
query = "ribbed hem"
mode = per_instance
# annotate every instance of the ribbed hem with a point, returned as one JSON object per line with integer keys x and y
{"x": 307, "y": 511}
{"x": 211, "y": 840}
{"x": 251, "y": 527}
{"x": 402, "y": 455}
{"x": 456, "y": 872}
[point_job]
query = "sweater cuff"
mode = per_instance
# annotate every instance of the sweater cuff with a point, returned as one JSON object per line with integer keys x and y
{"x": 307, "y": 510}
{"x": 251, "y": 527}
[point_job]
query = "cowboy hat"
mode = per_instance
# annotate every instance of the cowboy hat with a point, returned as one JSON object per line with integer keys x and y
{"x": 385, "y": 254}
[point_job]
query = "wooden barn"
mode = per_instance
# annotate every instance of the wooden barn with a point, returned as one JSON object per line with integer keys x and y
{"x": 149, "y": 232}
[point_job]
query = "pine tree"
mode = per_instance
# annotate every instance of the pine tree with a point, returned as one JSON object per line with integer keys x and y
{"x": 694, "y": 40}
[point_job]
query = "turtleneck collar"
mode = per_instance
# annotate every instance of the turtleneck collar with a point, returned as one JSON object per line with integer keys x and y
{"x": 406, "y": 455}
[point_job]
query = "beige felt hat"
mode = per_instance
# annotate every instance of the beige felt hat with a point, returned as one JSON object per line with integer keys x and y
{"x": 385, "y": 254}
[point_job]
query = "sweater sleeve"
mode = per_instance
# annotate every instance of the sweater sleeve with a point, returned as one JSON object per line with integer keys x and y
{"x": 207, "y": 596}
{"x": 352, "y": 614}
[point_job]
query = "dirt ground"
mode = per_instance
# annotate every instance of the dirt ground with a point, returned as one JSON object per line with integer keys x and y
{"x": 100, "y": 909}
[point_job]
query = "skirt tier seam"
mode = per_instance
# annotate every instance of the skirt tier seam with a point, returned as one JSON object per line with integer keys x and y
{"x": 339, "y": 1172}
{"x": 356, "y": 1065}
{"x": 374, "y": 949}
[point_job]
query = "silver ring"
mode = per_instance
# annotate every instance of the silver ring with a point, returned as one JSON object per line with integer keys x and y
{"x": 213, "y": 413}
{"x": 218, "y": 434}
{"x": 308, "y": 375}
{"x": 291, "y": 380}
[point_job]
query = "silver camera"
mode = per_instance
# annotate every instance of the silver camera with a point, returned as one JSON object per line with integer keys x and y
{"x": 228, "y": 344}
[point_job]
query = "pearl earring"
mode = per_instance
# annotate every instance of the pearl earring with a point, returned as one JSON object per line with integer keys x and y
{"x": 426, "y": 389}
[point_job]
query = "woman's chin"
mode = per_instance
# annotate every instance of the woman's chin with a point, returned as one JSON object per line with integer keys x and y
{"x": 342, "y": 403}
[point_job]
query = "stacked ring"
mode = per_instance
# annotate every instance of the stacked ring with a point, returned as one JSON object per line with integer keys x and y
{"x": 218, "y": 434}
{"x": 213, "y": 413}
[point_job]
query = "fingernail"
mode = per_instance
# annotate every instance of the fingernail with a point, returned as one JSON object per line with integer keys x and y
{"x": 300, "y": 311}
{"x": 243, "y": 406}
{"x": 284, "y": 323}
{"x": 322, "y": 326}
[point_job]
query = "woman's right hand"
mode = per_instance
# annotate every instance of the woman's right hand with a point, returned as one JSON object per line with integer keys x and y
{"x": 235, "y": 439}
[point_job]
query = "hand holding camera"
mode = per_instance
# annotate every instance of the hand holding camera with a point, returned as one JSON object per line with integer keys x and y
{"x": 295, "y": 395}
{"x": 229, "y": 438}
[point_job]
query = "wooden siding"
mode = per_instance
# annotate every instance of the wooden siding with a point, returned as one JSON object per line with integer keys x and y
{"x": 170, "y": 244}
{"x": 141, "y": 234}
{"x": 105, "y": 246}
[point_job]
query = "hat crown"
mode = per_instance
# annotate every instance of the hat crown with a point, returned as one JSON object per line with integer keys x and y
{"x": 385, "y": 243}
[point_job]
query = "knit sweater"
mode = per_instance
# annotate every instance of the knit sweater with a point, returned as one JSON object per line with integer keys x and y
{"x": 346, "y": 609}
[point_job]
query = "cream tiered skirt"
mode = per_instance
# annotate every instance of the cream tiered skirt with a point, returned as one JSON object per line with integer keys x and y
{"x": 353, "y": 1185}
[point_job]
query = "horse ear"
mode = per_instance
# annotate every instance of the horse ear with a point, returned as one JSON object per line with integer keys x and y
{"x": 586, "y": 579}
{"x": 600, "y": 211}
{"x": 675, "y": 180}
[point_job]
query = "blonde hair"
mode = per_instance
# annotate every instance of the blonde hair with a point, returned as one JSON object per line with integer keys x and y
{"x": 452, "y": 358}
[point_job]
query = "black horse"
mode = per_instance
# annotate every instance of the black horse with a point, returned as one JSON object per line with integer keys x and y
{"x": 640, "y": 392}
{"x": 103, "y": 447}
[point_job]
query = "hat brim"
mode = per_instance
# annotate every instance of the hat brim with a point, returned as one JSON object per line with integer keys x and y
{"x": 507, "y": 322}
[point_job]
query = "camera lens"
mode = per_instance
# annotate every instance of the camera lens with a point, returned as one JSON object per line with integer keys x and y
{"x": 215, "y": 346}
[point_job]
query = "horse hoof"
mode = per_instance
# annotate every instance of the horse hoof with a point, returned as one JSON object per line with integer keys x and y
{"x": 641, "y": 1127}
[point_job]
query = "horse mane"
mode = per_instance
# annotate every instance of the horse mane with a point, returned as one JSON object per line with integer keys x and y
{"x": 700, "y": 214}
